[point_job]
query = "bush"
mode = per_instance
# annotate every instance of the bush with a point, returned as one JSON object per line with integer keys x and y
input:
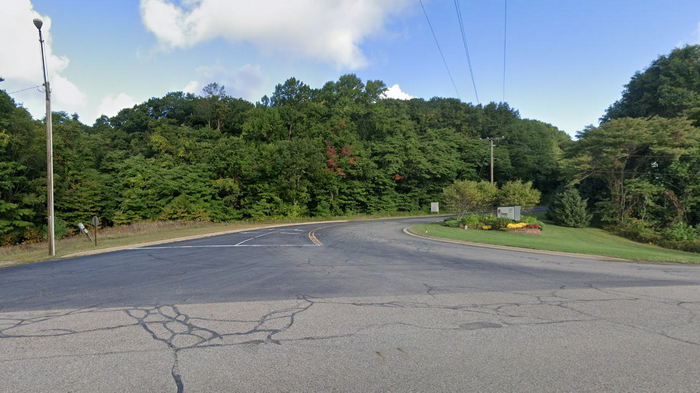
{"x": 488, "y": 219}
{"x": 680, "y": 232}
{"x": 184, "y": 208}
{"x": 517, "y": 193}
{"x": 530, "y": 220}
{"x": 470, "y": 196}
{"x": 680, "y": 236}
{"x": 636, "y": 229}
{"x": 690, "y": 245}
{"x": 569, "y": 209}
{"x": 451, "y": 222}
{"x": 471, "y": 221}
{"x": 60, "y": 229}
{"x": 501, "y": 223}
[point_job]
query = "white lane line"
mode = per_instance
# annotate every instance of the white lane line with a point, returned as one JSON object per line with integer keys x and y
{"x": 241, "y": 243}
{"x": 276, "y": 245}
{"x": 225, "y": 246}
{"x": 254, "y": 237}
{"x": 260, "y": 230}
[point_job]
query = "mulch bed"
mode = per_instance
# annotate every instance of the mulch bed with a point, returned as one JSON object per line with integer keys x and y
{"x": 529, "y": 231}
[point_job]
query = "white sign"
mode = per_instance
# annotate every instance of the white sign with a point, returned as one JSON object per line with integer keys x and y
{"x": 512, "y": 212}
{"x": 435, "y": 207}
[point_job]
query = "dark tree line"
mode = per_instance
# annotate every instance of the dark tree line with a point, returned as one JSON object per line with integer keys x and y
{"x": 640, "y": 168}
{"x": 343, "y": 149}
{"x": 340, "y": 149}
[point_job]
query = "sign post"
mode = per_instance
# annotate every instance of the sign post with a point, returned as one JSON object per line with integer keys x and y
{"x": 435, "y": 207}
{"x": 95, "y": 224}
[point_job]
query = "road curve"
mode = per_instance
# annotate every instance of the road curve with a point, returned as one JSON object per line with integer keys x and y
{"x": 348, "y": 307}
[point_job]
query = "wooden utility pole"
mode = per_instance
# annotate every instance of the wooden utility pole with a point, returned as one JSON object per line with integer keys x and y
{"x": 491, "y": 140}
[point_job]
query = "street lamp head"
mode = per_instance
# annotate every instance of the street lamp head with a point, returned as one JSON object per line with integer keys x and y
{"x": 38, "y": 23}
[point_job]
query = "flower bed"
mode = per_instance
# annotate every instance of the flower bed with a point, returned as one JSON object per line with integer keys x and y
{"x": 489, "y": 222}
{"x": 529, "y": 231}
{"x": 523, "y": 227}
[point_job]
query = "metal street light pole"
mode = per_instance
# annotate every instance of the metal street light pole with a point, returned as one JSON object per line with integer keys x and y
{"x": 49, "y": 147}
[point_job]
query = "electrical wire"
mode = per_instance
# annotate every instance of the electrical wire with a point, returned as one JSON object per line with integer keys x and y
{"x": 466, "y": 48}
{"x": 21, "y": 90}
{"x": 437, "y": 44}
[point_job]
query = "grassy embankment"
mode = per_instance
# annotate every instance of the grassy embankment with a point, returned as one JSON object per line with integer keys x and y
{"x": 152, "y": 231}
{"x": 556, "y": 238}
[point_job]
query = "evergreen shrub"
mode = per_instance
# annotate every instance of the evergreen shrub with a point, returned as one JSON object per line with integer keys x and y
{"x": 569, "y": 209}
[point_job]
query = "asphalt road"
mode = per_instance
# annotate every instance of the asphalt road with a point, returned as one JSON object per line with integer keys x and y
{"x": 347, "y": 307}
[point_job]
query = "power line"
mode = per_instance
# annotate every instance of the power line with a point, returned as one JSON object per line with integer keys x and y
{"x": 21, "y": 90}
{"x": 466, "y": 48}
{"x": 505, "y": 35}
{"x": 437, "y": 44}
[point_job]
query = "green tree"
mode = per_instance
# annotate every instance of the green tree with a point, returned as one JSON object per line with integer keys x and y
{"x": 470, "y": 196}
{"x": 302, "y": 151}
{"x": 519, "y": 193}
{"x": 535, "y": 150}
{"x": 22, "y": 174}
{"x": 14, "y": 218}
{"x": 211, "y": 105}
{"x": 569, "y": 209}
{"x": 631, "y": 156}
{"x": 669, "y": 87}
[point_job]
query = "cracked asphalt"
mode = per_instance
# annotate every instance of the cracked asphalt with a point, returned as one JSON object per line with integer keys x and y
{"x": 364, "y": 308}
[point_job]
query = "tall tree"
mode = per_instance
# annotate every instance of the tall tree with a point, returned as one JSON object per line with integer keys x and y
{"x": 669, "y": 87}
{"x": 642, "y": 162}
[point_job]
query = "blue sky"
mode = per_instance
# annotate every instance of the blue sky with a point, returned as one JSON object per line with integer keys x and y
{"x": 567, "y": 60}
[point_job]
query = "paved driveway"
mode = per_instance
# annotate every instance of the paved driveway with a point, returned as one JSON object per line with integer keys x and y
{"x": 348, "y": 307}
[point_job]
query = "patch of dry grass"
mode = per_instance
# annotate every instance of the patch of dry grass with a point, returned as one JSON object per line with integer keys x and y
{"x": 140, "y": 232}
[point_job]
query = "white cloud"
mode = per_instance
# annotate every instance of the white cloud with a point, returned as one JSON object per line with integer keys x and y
{"x": 111, "y": 105}
{"x": 20, "y": 60}
{"x": 328, "y": 30}
{"x": 192, "y": 87}
{"x": 396, "y": 92}
{"x": 67, "y": 94}
{"x": 246, "y": 82}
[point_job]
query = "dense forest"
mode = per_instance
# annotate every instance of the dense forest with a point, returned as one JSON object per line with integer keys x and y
{"x": 640, "y": 168}
{"x": 345, "y": 149}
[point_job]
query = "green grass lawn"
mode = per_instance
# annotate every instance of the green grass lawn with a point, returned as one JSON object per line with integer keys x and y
{"x": 555, "y": 238}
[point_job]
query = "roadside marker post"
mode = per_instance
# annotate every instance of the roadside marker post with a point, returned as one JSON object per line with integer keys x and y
{"x": 95, "y": 224}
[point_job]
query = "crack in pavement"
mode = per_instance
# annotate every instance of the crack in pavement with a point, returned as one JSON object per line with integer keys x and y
{"x": 180, "y": 331}
{"x": 437, "y": 289}
{"x": 165, "y": 324}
